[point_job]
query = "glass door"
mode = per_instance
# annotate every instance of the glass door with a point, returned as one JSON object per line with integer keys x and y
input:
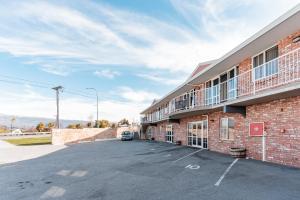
{"x": 216, "y": 91}
{"x": 197, "y": 134}
{"x": 169, "y": 134}
{"x": 223, "y": 87}
{"x": 194, "y": 135}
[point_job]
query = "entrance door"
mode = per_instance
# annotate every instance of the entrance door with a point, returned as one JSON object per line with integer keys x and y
{"x": 197, "y": 134}
{"x": 169, "y": 134}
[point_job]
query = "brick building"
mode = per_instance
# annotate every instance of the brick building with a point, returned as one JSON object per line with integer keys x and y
{"x": 248, "y": 98}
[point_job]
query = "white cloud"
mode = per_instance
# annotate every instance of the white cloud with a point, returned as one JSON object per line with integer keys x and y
{"x": 166, "y": 80}
{"x": 32, "y": 103}
{"x": 138, "y": 96}
{"x": 95, "y": 33}
{"x": 54, "y": 69}
{"x": 53, "y": 35}
{"x": 107, "y": 73}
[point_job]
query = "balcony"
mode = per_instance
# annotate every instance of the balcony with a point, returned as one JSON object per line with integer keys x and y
{"x": 270, "y": 78}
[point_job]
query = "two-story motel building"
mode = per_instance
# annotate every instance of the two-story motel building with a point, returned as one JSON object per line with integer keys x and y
{"x": 258, "y": 82}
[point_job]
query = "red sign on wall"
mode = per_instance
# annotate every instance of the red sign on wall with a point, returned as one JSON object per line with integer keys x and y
{"x": 256, "y": 129}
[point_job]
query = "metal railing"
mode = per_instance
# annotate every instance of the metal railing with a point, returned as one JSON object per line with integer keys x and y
{"x": 280, "y": 71}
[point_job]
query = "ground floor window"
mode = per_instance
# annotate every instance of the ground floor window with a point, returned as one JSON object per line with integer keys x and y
{"x": 169, "y": 134}
{"x": 226, "y": 128}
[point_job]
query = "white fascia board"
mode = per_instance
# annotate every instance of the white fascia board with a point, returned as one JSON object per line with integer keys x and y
{"x": 243, "y": 45}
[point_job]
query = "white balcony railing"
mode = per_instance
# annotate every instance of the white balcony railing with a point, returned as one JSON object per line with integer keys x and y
{"x": 278, "y": 72}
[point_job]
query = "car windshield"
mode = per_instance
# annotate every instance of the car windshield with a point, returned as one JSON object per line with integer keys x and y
{"x": 126, "y": 133}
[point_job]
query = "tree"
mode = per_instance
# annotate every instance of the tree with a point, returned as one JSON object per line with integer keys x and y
{"x": 89, "y": 124}
{"x": 113, "y": 125}
{"x": 104, "y": 124}
{"x": 51, "y": 125}
{"x": 124, "y": 122}
{"x": 78, "y": 126}
{"x": 72, "y": 126}
{"x": 40, "y": 127}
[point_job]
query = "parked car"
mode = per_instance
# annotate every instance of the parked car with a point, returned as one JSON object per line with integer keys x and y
{"x": 17, "y": 132}
{"x": 126, "y": 135}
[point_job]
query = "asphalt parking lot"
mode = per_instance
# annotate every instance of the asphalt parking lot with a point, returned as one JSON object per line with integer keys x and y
{"x": 145, "y": 170}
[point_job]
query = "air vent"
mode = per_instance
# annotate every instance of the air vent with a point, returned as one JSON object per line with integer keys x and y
{"x": 296, "y": 39}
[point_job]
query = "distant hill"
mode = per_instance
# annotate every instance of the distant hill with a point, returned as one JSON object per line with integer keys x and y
{"x": 28, "y": 122}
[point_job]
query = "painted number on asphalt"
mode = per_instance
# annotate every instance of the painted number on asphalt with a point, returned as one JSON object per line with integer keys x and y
{"x": 192, "y": 167}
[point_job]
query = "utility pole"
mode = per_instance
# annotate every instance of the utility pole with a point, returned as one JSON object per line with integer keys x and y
{"x": 57, "y": 89}
{"x": 97, "y": 125}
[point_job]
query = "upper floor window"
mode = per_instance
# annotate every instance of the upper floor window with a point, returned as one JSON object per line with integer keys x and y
{"x": 265, "y": 63}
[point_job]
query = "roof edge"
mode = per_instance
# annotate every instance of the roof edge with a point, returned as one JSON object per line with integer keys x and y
{"x": 258, "y": 34}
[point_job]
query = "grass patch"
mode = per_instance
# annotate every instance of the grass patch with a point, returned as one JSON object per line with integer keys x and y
{"x": 30, "y": 141}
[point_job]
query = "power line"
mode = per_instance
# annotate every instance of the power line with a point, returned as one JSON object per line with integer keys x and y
{"x": 75, "y": 93}
{"x": 21, "y": 81}
{"x": 26, "y": 80}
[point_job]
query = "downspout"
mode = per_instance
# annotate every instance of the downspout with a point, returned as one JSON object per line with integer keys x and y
{"x": 206, "y": 128}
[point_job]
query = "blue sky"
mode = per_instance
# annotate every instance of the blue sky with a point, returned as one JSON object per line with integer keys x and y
{"x": 131, "y": 51}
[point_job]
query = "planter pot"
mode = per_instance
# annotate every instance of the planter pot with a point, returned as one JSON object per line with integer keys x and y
{"x": 237, "y": 152}
{"x": 178, "y": 142}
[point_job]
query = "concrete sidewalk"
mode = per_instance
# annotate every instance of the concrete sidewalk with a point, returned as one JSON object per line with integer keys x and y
{"x": 10, "y": 153}
{"x": 5, "y": 145}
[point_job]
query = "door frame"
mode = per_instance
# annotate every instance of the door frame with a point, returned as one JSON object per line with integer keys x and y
{"x": 167, "y": 136}
{"x": 202, "y": 134}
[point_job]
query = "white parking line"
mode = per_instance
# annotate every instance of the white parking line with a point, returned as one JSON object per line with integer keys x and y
{"x": 226, "y": 171}
{"x": 187, "y": 155}
{"x": 53, "y": 192}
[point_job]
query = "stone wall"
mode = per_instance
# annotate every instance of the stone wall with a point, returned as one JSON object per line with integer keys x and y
{"x": 64, "y": 136}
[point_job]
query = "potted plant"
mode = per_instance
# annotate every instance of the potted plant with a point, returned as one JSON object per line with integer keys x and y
{"x": 238, "y": 152}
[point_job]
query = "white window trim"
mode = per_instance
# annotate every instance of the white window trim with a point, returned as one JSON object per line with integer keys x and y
{"x": 264, "y": 61}
{"x": 228, "y": 134}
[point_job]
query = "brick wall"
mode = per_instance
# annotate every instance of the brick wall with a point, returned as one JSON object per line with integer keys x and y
{"x": 281, "y": 117}
{"x": 286, "y": 45}
{"x": 282, "y": 123}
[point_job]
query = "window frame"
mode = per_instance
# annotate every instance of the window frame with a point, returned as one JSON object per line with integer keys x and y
{"x": 169, "y": 133}
{"x": 264, "y": 62}
{"x": 228, "y": 132}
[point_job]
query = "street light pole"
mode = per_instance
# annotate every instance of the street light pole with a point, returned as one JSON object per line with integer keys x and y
{"x": 57, "y": 89}
{"x": 97, "y": 105}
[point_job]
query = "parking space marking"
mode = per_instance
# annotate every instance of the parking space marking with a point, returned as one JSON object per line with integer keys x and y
{"x": 192, "y": 167}
{"x": 53, "y": 192}
{"x": 226, "y": 171}
{"x": 187, "y": 155}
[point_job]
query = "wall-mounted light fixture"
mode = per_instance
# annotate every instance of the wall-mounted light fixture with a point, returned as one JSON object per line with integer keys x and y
{"x": 296, "y": 39}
